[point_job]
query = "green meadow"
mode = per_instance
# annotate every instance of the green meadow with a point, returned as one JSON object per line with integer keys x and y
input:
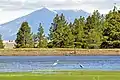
{"x": 63, "y": 75}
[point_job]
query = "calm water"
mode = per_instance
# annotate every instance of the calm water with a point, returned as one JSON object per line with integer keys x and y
{"x": 34, "y": 63}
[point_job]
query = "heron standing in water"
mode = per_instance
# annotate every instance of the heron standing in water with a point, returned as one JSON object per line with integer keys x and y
{"x": 81, "y": 66}
{"x": 54, "y": 64}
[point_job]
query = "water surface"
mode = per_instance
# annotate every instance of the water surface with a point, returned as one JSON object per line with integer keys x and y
{"x": 37, "y": 63}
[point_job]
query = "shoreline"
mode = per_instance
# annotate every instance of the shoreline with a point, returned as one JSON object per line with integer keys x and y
{"x": 59, "y": 52}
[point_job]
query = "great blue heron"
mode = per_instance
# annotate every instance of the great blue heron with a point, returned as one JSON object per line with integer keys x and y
{"x": 80, "y": 65}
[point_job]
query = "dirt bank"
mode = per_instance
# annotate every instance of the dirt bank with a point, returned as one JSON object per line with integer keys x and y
{"x": 58, "y": 52}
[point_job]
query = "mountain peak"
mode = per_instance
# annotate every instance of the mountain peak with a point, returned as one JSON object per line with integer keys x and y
{"x": 43, "y": 15}
{"x": 44, "y": 8}
{"x": 48, "y": 10}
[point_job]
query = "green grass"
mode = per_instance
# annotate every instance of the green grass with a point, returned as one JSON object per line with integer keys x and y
{"x": 64, "y": 75}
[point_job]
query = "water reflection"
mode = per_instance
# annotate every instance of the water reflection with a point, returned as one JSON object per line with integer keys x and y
{"x": 35, "y": 63}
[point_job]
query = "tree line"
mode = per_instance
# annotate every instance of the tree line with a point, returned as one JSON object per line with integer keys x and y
{"x": 94, "y": 32}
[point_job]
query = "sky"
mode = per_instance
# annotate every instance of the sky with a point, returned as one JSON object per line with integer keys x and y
{"x": 12, "y": 9}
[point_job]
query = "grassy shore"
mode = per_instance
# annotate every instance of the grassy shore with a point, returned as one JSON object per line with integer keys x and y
{"x": 58, "y": 52}
{"x": 63, "y": 75}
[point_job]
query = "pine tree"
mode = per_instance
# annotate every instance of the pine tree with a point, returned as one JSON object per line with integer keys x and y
{"x": 1, "y": 42}
{"x": 53, "y": 27}
{"x": 112, "y": 30}
{"x": 68, "y": 38}
{"x": 60, "y": 33}
{"x": 52, "y": 31}
{"x": 93, "y": 33}
{"x": 78, "y": 32}
{"x": 42, "y": 41}
{"x": 24, "y": 37}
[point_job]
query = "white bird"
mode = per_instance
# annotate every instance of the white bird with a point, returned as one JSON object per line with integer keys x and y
{"x": 55, "y": 63}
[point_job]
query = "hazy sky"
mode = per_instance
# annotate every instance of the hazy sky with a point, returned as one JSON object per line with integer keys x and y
{"x": 11, "y": 9}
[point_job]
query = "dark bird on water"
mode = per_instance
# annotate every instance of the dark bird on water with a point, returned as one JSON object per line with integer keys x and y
{"x": 80, "y": 66}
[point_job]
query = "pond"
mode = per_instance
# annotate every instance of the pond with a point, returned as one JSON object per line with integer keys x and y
{"x": 38, "y": 63}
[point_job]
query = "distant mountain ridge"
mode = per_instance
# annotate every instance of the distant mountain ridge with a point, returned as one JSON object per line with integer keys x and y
{"x": 44, "y": 16}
